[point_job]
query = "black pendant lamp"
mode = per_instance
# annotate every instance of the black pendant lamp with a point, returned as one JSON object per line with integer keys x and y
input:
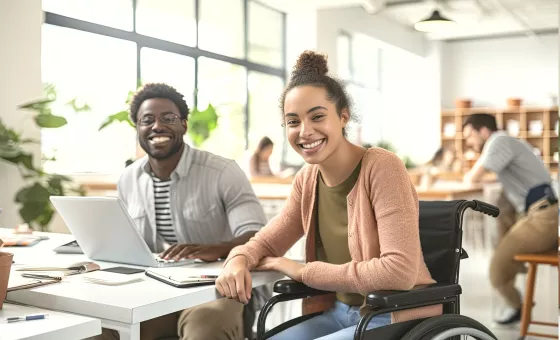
{"x": 435, "y": 23}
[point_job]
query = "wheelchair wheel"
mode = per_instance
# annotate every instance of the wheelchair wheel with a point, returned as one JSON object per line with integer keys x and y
{"x": 449, "y": 326}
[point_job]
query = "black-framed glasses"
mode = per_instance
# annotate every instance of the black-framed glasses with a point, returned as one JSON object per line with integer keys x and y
{"x": 167, "y": 119}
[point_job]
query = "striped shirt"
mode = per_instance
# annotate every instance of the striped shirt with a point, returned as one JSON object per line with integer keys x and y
{"x": 164, "y": 224}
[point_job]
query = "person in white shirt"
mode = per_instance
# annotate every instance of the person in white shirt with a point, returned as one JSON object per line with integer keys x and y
{"x": 188, "y": 203}
{"x": 528, "y": 220}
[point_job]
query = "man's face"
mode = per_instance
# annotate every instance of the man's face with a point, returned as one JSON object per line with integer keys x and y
{"x": 474, "y": 139}
{"x": 160, "y": 128}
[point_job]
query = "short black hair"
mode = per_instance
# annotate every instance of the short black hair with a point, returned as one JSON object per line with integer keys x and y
{"x": 157, "y": 90}
{"x": 480, "y": 120}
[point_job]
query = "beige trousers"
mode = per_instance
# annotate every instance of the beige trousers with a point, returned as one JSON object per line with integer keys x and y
{"x": 534, "y": 232}
{"x": 217, "y": 320}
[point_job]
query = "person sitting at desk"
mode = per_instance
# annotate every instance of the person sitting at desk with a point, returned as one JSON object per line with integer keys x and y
{"x": 443, "y": 161}
{"x": 528, "y": 220}
{"x": 357, "y": 206}
{"x": 259, "y": 162}
{"x": 186, "y": 203}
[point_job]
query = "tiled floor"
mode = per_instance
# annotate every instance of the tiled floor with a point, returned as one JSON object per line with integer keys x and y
{"x": 479, "y": 302}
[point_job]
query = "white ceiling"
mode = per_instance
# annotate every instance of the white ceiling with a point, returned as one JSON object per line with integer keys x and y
{"x": 475, "y": 18}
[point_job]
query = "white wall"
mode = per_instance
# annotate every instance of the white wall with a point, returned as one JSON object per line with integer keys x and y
{"x": 491, "y": 70}
{"x": 411, "y": 102}
{"x": 410, "y": 77}
{"x": 20, "y": 81}
{"x": 331, "y": 21}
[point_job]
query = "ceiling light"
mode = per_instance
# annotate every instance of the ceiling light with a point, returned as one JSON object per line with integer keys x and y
{"x": 434, "y": 23}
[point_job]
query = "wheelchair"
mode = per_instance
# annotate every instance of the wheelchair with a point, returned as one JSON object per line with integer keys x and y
{"x": 441, "y": 240}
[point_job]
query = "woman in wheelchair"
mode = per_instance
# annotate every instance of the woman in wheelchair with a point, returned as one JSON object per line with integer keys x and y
{"x": 357, "y": 207}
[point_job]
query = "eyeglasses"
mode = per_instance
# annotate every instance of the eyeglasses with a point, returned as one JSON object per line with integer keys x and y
{"x": 167, "y": 119}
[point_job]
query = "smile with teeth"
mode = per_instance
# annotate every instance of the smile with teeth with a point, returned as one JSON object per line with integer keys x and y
{"x": 312, "y": 145}
{"x": 159, "y": 139}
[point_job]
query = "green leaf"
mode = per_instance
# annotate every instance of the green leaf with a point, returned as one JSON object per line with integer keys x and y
{"x": 201, "y": 124}
{"x": 25, "y": 159}
{"x": 122, "y": 116}
{"x": 45, "y": 218}
{"x": 50, "y": 91}
{"x": 34, "y": 193}
{"x": 36, "y": 105}
{"x": 50, "y": 121}
{"x": 78, "y": 108}
{"x": 55, "y": 186}
{"x": 9, "y": 151}
{"x": 31, "y": 211}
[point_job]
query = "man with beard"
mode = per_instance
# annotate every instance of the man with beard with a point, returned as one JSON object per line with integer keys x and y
{"x": 186, "y": 203}
{"x": 528, "y": 220}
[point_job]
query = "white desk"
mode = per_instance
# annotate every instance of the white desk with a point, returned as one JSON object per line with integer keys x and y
{"x": 119, "y": 307}
{"x": 57, "y": 326}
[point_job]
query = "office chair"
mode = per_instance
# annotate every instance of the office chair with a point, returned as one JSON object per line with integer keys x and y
{"x": 441, "y": 239}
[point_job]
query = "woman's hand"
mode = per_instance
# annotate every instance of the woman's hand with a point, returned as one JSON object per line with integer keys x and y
{"x": 234, "y": 282}
{"x": 292, "y": 269}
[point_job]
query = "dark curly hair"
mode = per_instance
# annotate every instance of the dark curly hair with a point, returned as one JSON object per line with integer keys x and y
{"x": 157, "y": 90}
{"x": 311, "y": 70}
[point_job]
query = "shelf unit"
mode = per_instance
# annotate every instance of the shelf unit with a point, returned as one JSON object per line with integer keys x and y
{"x": 546, "y": 140}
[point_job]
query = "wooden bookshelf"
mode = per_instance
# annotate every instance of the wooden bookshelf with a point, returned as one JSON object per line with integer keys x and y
{"x": 524, "y": 118}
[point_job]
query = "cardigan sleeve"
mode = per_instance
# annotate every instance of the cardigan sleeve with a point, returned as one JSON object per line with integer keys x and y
{"x": 280, "y": 233}
{"x": 395, "y": 206}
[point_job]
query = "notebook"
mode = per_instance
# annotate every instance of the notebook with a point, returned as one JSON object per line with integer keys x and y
{"x": 110, "y": 279}
{"x": 182, "y": 277}
{"x": 18, "y": 282}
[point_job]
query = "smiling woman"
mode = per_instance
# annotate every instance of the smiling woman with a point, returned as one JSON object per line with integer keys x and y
{"x": 348, "y": 201}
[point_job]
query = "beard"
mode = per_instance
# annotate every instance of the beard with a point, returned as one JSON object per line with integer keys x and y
{"x": 160, "y": 154}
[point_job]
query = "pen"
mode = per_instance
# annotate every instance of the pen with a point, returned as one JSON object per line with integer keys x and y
{"x": 39, "y": 276}
{"x": 27, "y": 318}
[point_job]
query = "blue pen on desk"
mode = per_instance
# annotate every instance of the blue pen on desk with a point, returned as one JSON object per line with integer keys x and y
{"x": 27, "y": 318}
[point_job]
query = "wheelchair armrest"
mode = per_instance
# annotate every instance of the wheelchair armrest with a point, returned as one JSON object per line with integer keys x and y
{"x": 294, "y": 287}
{"x": 387, "y": 298}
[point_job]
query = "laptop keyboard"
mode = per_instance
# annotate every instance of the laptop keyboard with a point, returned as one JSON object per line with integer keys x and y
{"x": 159, "y": 259}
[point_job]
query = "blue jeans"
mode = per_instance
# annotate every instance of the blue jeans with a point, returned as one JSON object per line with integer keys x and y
{"x": 337, "y": 323}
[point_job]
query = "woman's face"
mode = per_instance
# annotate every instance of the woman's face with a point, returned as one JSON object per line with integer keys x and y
{"x": 266, "y": 152}
{"x": 313, "y": 126}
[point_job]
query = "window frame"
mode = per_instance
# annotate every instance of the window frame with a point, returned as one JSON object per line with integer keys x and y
{"x": 351, "y": 80}
{"x": 172, "y": 47}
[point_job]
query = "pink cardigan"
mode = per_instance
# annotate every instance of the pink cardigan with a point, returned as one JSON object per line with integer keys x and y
{"x": 383, "y": 235}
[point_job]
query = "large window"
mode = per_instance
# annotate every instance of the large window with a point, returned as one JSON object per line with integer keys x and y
{"x": 358, "y": 64}
{"x": 265, "y": 113}
{"x": 210, "y": 50}
{"x": 224, "y": 86}
{"x": 99, "y": 70}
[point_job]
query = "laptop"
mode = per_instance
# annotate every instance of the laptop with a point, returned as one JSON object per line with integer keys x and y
{"x": 105, "y": 231}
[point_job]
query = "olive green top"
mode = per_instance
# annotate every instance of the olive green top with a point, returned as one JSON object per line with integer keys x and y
{"x": 332, "y": 238}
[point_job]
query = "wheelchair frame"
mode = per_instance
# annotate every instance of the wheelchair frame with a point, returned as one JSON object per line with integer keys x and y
{"x": 387, "y": 301}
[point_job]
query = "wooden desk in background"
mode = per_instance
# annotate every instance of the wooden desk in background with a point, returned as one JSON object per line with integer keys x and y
{"x": 279, "y": 191}
{"x": 442, "y": 194}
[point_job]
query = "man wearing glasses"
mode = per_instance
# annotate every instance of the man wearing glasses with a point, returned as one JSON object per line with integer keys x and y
{"x": 187, "y": 203}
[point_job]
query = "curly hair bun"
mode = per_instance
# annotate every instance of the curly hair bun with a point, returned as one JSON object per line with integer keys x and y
{"x": 312, "y": 62}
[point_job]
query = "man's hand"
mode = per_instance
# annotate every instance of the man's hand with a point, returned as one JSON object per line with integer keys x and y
{"x": 204, "y": 252}
{"x": 292, "y": 269}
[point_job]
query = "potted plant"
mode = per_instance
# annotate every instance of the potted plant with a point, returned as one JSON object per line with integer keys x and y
{"x": 5, "y": 267}
{"x": 35, "y": 207}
